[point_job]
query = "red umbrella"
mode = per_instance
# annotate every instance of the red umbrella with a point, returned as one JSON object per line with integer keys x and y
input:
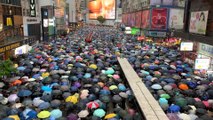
{"x": 92, "y": 105}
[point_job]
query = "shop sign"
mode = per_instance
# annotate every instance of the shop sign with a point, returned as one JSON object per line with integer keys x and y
{"x": 51, "y": 22}
{"x": 156, "y": 34}
{"x": 32, "y": 8}
{"x": 202, "y": 64}
{"x": 9, "y": 47}
{"x": 206, "y": 49}
{"x": 186, "y": 46}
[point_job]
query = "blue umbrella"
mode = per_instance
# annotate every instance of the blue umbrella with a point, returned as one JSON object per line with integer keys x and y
{"x": 56, "y": 113}
{"x": 87, "y": 75}
{"x": 36, "y": 76}
{"x": 31, "y": 115}
{"x": 121, "y": 87}
{"x": 21, "y": 68}
{"x": 24, "y": 93}
{"x": 105, "y": 92}
{"x": 173, "y": 108}
{"x": 46, "y": 88}
{"x": 44, "y": 105}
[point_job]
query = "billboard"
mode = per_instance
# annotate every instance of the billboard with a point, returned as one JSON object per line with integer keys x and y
{"x": 105, "y": 8}
{"x": 179, "y": 3}
{"x": 176, "y": 17}
{"x": 145, "y": 19}
{"x": 198, "y": 22}
{"x": 186, "y": 46}
{"x": 167, "y": 2}
{"x": 159, "y": 18}
{"x": 138, "y": 19}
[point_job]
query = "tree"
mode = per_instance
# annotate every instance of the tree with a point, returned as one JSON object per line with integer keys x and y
{"x": 101, "y": 19}
{"x": 6, "y": 68}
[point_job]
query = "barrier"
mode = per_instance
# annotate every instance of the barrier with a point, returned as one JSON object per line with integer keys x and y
{"x": 147, "y": 103}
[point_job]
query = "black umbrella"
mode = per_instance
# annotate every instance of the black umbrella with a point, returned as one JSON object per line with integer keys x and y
{"x": 116, "y": 98}
{"x": 200, "y": 111}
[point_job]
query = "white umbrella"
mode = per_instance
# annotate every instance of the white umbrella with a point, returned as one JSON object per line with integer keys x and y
{"x": 83, "y": 114}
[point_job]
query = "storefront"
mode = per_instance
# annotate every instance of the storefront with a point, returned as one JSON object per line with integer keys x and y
{"x": 8, "y": 50}
{"x": 32, "y": 27}
{"x": 205, "y": 51}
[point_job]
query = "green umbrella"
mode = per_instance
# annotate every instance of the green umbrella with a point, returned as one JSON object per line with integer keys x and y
{"x": 181, "y": 102}
{"x": 166, "y": 96}
{"x": 99, "y": 113}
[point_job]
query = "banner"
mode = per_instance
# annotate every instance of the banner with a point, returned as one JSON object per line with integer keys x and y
{"x": 186, "y": 46}
{"x": 159, "y": 18}
{"x": 202, "y": 64}
{"x": 145, "y": 19}
{"x": 138, "y": 19}
{"x": 176, "y": 18}
{"x": 132, "y": 24}
{"x": 198, "y": 22}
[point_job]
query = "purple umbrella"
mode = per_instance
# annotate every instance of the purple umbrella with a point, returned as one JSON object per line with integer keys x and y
{"x": 72, "y": 117}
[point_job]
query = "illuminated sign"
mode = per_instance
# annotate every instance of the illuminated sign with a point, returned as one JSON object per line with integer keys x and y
{"x": 202, "y": 64}
{"x": 32, "y": 8}
{"x": 9, "y": 47}
{"x": 186, "y": 46}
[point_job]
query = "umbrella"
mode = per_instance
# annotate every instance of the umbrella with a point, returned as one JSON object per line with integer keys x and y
{"x": 27, "y": 102}
{"x": 105, "y": 98}
{"x": 12, "y": 98}
{"x": 44, "y": 105}
{"x": 35, "y": 69}
{"x": 37, "y": 101}
{"x": 93, "y": 66}
{"x": 43, "y": 114}
{"x": 56, "y": 113}
{"x": 92, "y": 105}
{"x": 72, "y": 116}
{"x": 24, "y": 93}
{"x": 21, "y": 68}
{"x": 105, "y": 92}
{"x": 46, "y": 88}
{"x": 181, "y": 102}
{"x": 116, "y": 98}
{"x": 167, "y": 96}
{"x": 156, "y": 86}
{"x": 184, "y": 116}
{"x": 173, "y": 109}
{"x": 123, "y": 95}
{"x": 55, "y": 103}
{"x": 109, "y": 116}
{"x": 99, "y": 113}
{"x": 172, "y": 116}
{"x": 112, "y": 87}
{"x": 83, "y": 113}
{"x": 73, "y": 99}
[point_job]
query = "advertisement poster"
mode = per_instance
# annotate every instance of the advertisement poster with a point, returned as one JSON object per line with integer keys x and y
{"x": 132, "y": 19}
{"x": 155, "y": 2}
{"x": 176, "y": 18}
{"x": 186, "y": 46}
{"x": 167, "y": 2}
{"x": 105, "y": 8}
{"x": 138, "y": 19}
{"x": 198, "y": 22}
{"x": 145, "y": 18}
{"x": 159, "y": 18}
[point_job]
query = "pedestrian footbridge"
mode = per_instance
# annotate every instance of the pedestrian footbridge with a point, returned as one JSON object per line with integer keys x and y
{"x": 149, "y": 107}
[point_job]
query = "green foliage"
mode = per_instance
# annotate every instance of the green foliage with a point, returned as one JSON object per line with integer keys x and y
{"x": 101, "y": 19}
{"x": 6, "y": 68}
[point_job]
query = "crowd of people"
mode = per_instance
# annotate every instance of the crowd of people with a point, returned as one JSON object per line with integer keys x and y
{"x": 70, "y": 78}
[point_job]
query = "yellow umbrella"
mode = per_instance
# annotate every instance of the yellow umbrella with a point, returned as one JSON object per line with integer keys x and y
{"x": 93, "y": 66}
{"x": 70, "y": 65}
{"x": 112, "y": 87}
{"x": 15, "y": 65}
{"x": 15, "y": 117}
{"x": 72, "y": 99}
{"x": 45, "y": 74}
{"x": 109, "y": 116}
{"x": 43, "y": 114}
